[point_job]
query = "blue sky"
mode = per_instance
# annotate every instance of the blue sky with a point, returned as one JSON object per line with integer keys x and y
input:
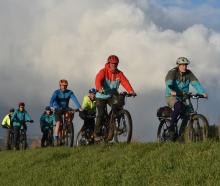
{"x": 189, "y": 3}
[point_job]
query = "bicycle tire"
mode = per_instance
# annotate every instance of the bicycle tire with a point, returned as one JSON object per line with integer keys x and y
{"x": 127, "y": 127}
{"x": 49, "y": 140}
{"x": 163, "y": 133}
{"x": 11, "y": 140}
{"x": 198, "y": 128}
{"x": 80, "y": 140}
{"x": 23, "y": 142}
{"x": 69, "y": 135}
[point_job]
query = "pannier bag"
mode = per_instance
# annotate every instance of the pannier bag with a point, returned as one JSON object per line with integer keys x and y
{"x": 164, "y": 112}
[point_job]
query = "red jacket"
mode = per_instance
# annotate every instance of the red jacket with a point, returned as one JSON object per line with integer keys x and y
{"x": 109, "y": 80}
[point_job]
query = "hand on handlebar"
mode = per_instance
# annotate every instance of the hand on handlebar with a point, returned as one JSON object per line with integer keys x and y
{"x": 173, "y": 93}
{"x": 205, "y": 95}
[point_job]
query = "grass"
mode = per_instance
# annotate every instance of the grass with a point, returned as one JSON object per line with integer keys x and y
{"x": 122, "y": 164}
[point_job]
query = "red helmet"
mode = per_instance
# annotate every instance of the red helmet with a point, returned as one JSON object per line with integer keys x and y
{"x": 63, "y": 82}
{"x": 21, "y": 104}
{"x": 113, "y": 59}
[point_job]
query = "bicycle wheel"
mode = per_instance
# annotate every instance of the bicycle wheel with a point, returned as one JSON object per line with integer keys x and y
{"x": 69, "y": 135}
{"x": 11, "y": 140}
{"x": 123, "y": 128}
{"x": 49, "y": 140}
{"x": 23, "y": 141}
{"x": 163, "y": 133}
{"x": 81, "y": 139}
{"x": 198, "y": 128}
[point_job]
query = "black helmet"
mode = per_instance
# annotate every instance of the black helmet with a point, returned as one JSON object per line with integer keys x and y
{"x": 48, "y": 108}
{"x": 11, "y": 110}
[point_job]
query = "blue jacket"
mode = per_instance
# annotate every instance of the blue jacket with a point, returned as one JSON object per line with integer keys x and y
{"x": 19, "y": 117}
{"x": 180, "y": 82}
{"x": 60, "y": 99}
{"x": 47, "y": 121}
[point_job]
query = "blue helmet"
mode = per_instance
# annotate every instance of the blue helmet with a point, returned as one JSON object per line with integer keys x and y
{"x": 92, "y": 90}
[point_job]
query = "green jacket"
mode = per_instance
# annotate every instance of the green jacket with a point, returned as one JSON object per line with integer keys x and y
{"x": 20, "y": 117}
{"x": 47, "y": 121}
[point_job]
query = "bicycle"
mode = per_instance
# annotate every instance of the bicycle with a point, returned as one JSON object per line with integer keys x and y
{"x": 85, "y": 135}
{"x": 198, "y": 125}
{"x": 22, "y": 143}
{"x": 48, "y": 142}
{"x": 119, "y": 122}
{"x": 66, "y": 129}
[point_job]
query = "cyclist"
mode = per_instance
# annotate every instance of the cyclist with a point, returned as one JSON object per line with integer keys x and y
{"x": 19, "y": 117}
{"x": 88, "y": 112}
{"x": 107, "y": 81}
{"x": 47, "y": 120}
{"x": 59, "y": 102}
{"x": 177, "y": 82}
{"x": 7, "y": 124}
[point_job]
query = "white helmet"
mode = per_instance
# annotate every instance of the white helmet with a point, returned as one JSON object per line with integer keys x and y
{"x": 182, "y": 60}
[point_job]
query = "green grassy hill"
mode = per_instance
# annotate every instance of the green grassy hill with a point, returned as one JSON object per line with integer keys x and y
{"x": 134, "y": 164}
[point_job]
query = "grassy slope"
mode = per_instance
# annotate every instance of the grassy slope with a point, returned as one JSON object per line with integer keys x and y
{"x": 134, "y": 164}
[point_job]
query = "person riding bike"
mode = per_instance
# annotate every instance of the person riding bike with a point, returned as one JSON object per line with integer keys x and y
{"x": 7, "y": 124}
{"x": 177, "y": 82}
{"x": 47, "y": 120}
{"x": 19, "y": 117}
{"x": 108, "y": 81}
{"x": 59, "y": 102}
{"x": 88, "y": 112}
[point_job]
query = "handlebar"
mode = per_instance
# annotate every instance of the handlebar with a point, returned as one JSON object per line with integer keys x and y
{"x": 191, "y": 95}
{"x": 128, "y": 94}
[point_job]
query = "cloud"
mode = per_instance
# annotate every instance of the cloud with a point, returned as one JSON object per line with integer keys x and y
{"x": 49, "y": 40}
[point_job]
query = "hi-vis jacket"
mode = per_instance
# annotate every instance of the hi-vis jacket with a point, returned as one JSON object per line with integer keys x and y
{"x": 108, "y": 81}
{"x": 180, "y": 82}
{"x": 6, "y": 122}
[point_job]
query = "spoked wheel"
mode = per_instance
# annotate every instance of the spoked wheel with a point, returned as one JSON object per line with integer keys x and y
{"x": 81, "y": 139}
{"x": 198, "y": 128}
{"x": 49, "y": 140}
{"x": 11, "y": 140}
{"x": 163, "y": 132}
{"x": 123, "y": 128}
{"x": 69, "y": 135}
{"x": 23, "y": 141}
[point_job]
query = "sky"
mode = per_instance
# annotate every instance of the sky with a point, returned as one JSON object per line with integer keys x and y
{"x": 47, "y": 40}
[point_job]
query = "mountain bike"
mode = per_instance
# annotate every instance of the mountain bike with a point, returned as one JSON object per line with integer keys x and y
{"x": 197, "y": 124}
{"x": 118, "y": 122}
{"x": 85, "y": 135}
{"x": 22, "y": 143}
{"x": 66, "y": 129}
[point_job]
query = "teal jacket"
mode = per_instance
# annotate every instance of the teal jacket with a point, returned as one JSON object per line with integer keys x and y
{"x": 19, "y": 117}
{"x": 47, "y": 121}
{"x": 180, "y": 82}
